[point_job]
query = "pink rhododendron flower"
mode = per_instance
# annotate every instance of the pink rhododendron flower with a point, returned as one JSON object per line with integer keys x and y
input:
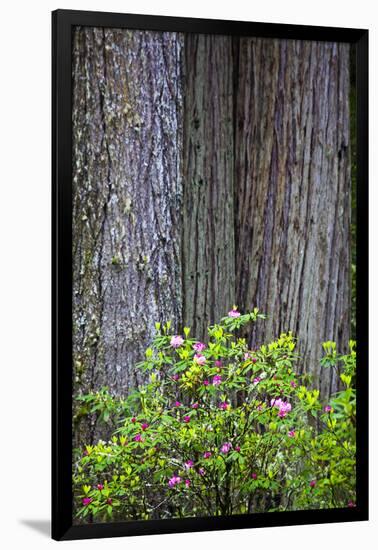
{"x": 234, "y": 312}
{"x": 205, "y": 382}
{"x": 254, "y": 475}
{"x": 351, "y": 504}
{"x": 201, "y": 471}
{"x": 293, "y": 384}
{"x": 177, "y": 341}
{"x": 312, "y": 483}
{"x": 199, "y": 359}
{"x": 207, "y": 454}
{"x": 217, "y": 380}
{"x": 133, "y": 420}
{"x": 138, "y": 437}
{"x": 195, "y": 405}
{"x": 188, "y": 464}
{"x": 218, "y": 363}
{"x": 283, "y": 406}
{"x": 187, "y": 482}
{"x": 237, "y": 448}
{"x": 254, "y": 360}
{"x": 109, "y": 501}
{"x": 256, "y": 380}
{"x": 86, "y": 501}
{"x": 291, "y": 433}
{"x": 199, "y": 346}
{"x": 259, "y": 407}
{"x": 175, "y": 377}
{"x": 327, "y": 409}
{"x": 284, "y": 409}
{"x": 223, "y": 405}
{"x": 85, "y": 452}
{"x": 276, "y": 402}
{"x": 178, "y": 404}
{"x": 174, "y": 481}
{"x": 100, "y": 486}
{"x": 145, "y": 426}
{"x": 225, "y": 448}
{"x": 186, "y": 419}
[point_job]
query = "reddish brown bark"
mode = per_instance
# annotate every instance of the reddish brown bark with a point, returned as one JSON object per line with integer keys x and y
{"x": 293, "y": 193}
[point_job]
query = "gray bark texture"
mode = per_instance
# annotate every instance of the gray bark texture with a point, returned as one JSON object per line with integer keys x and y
{"x": 293, "y": 193}
{"x": 127, "y": 194}
{"x": 207, "y": 170}
{"x": 208, "y": 252}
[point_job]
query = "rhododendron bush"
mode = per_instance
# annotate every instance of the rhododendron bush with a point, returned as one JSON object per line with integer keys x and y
{"x": 219, "y": 429}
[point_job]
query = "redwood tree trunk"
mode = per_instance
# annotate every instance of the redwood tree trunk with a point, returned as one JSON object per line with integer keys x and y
{"x": 260, "y": 151}
{"x": 127, "y": 194}
{"x": 293, "y": 193}
{"x": 208, "y": 257}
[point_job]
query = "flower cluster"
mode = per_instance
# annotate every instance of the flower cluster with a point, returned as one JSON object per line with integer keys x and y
{"x": 283, "y": 407}
{"x": 199, "y": 346}
{"x": 226, "y": 447}
{"x": 177, "y": 341}
{"x": 175, "y": 480}
{"x": 234, "y": 312}
{"x": 199, "y": 359}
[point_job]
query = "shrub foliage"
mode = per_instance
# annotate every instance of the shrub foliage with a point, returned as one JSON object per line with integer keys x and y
{"x": 219, "y": 429}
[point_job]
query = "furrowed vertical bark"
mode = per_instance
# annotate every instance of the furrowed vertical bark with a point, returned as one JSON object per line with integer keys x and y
{"x": 264, "y": 221}
{"x": 208, "y": 259}
{"x": 293, "y": 193}
{"x": 127, "y": 194}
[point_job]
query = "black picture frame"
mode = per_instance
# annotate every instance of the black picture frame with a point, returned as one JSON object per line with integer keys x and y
{"x": 63, "y": 22}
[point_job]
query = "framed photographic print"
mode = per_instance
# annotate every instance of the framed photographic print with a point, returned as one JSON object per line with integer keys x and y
{"x": 210, "y": 308}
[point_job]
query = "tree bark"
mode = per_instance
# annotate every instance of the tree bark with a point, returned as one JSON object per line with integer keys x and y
{"x": 206, "y": 173}
{"x": 208, "y": 252}
{"x": 127, "y": 195}
{"x": 293, "y": 193}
